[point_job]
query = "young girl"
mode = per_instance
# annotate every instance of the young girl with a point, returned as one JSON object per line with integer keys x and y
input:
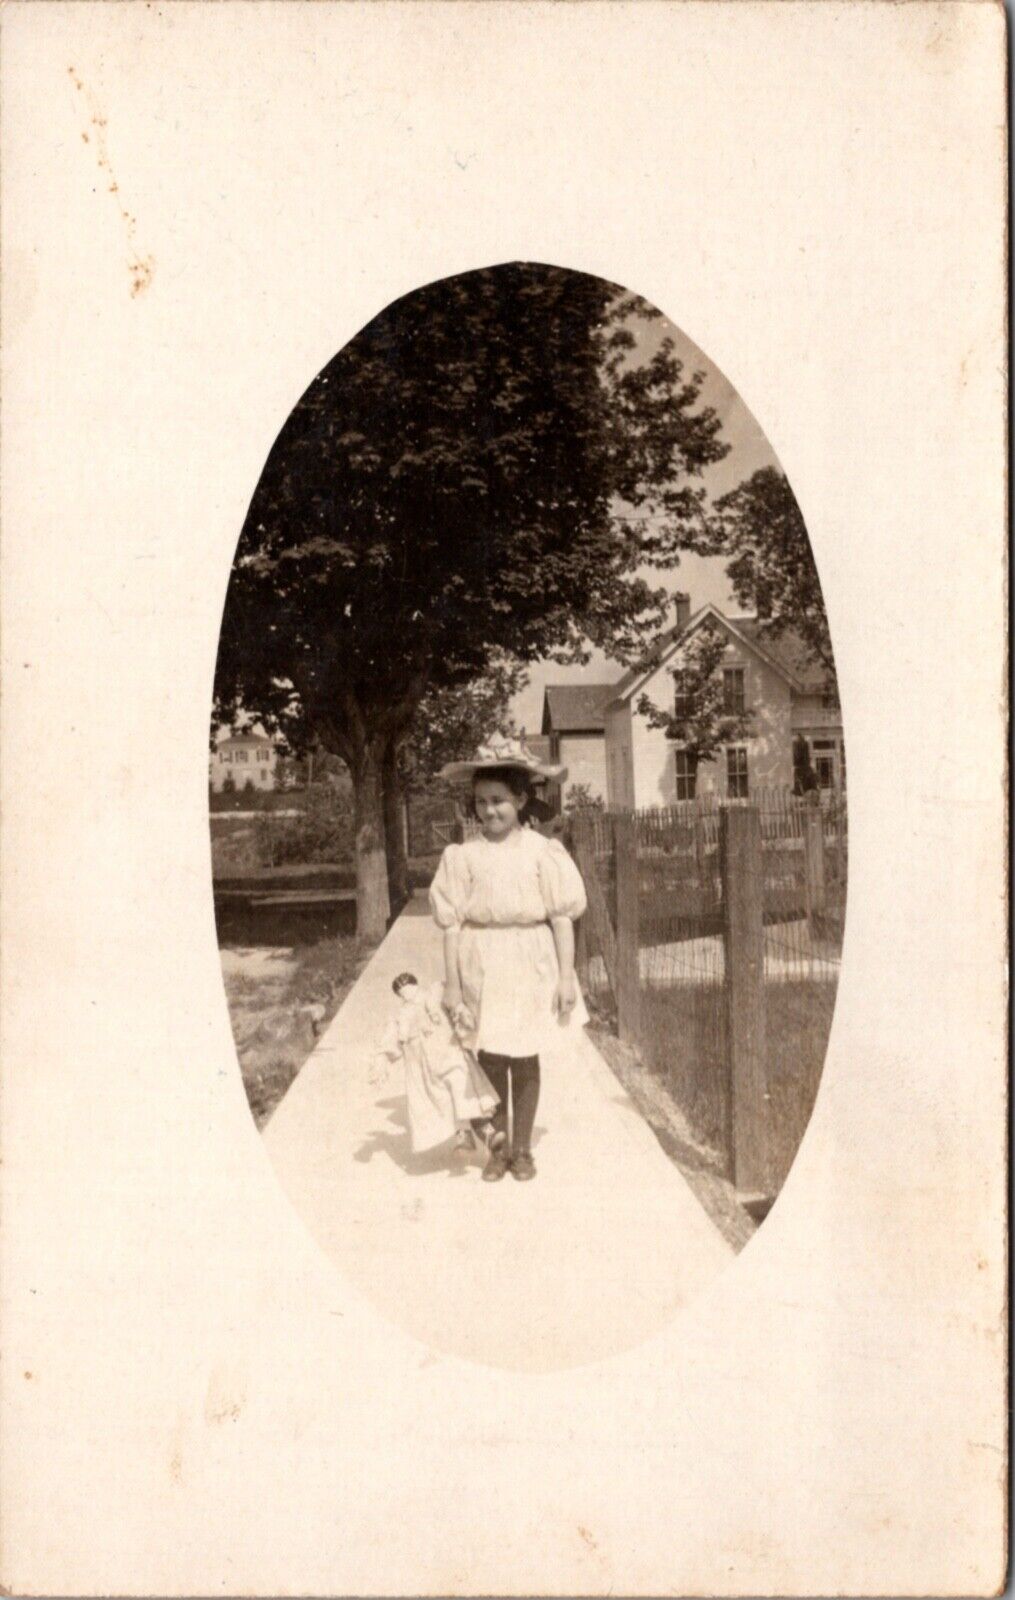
{"x": 506, "y": 902}
{"x": 447, "y": 1095}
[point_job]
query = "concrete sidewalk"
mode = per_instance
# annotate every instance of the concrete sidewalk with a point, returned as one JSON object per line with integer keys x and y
{"x": 591, "y": 1258}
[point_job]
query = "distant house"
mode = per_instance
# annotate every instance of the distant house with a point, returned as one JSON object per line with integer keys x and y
{"x": 790, "y": 698}
{"x": 243, "y": 760}
{"x": 574, "y": 726}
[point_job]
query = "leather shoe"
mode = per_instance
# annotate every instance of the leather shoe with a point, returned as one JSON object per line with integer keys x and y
{"x": 496, "y": 1167}
{"x": 523, "y": 1167}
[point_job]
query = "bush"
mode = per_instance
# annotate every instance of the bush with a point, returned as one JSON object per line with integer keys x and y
{"x": 324, "y": 830}
{"x": 233, "y": 847}
{"x": 581, "y": 798}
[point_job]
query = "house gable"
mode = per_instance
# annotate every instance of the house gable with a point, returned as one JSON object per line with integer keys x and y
{"x": 634, "y": 681}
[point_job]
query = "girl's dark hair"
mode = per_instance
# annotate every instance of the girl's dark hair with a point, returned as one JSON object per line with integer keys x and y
{"x": 403, "y": 979}
{"x": 513, "y": 778}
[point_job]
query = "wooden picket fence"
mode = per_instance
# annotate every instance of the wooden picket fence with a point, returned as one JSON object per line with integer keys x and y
{"x": 703, "y": 900}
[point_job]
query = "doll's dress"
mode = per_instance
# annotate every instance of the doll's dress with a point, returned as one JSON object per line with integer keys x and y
{"x": 445, "y": 1088}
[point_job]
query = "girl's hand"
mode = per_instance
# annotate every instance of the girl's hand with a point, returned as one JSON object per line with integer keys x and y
{"x": 462, "y": 1018}
{"x": 566, "y": 997}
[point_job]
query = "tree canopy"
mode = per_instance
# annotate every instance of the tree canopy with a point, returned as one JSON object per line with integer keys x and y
{"x": 456, "y": 487}
{"x": 759, "y": 527}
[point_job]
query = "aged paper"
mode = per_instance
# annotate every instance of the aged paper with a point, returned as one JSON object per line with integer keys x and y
{"x": 201, "y": 204}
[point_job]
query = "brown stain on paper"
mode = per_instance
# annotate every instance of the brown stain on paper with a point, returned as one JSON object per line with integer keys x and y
{"x": 176, "y": 1450}
{"x": 224, "y": 1398}
{"x": 140, "y": 267}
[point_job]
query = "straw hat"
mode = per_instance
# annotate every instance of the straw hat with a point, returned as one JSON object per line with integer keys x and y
{"x": 501, "y": 751}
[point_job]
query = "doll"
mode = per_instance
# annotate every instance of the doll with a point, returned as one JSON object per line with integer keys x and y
{"x": 448, "y": 1095}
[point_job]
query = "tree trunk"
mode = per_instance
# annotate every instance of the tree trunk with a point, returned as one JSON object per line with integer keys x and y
{"x": 394, "y": 831}
{"x": 372, "y": 904}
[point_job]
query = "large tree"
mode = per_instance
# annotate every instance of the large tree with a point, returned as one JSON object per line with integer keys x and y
{"x": 760, "y": 529}
{"x": 462, "y": 481}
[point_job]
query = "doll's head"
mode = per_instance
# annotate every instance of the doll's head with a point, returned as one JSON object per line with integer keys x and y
{"x": 406, "y": 986}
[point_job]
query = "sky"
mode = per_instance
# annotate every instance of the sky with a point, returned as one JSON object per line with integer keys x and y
{"x": 701, "y": 577}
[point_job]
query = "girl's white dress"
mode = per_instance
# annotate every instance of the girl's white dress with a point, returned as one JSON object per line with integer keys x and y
{"x": 501, "y": 895}
{"x": 445, "y": 1088}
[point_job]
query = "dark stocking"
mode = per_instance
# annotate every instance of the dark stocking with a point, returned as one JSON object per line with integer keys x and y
{"x": 525, "y": 1096}
{"x": 524, "y": 1090}
{"x": 496, "y": 1069}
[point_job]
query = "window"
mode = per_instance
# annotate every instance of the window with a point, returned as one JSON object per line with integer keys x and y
{"x": 830, "y": 698}
{"x": 225, "y": 755}
{"x": 733, "y": 689}
{"x": 262, "y": 755}
{"x": 736, "y": 772}
{"x": 824, "y": 762}
{"x": 842, "y": 759}
{"x": 241, "y": 755}
{"x": 683, "y": 707}
{"x": 687, "y": 773}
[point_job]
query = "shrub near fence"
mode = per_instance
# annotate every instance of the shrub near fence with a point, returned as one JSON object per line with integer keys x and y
{"x": 715, "y": 930}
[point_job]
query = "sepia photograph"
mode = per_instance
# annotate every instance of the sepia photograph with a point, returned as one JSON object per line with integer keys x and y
{"x": 503, "y": 916}
{"x": 528, "y": 809}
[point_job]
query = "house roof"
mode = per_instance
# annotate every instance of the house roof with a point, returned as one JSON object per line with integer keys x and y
{"x": 255, "y": 735}
{"x": 576, "y": 707}
{"x": 786, "y": 652}
{"x": 789, "y": 650}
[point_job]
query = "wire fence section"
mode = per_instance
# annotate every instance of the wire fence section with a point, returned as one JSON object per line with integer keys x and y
{"x": 677, "y": 993}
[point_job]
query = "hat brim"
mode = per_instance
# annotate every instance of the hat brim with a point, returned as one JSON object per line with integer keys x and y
{"x": 465, "y": 771}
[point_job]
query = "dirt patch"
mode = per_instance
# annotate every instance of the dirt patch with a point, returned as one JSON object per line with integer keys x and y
{"x": 281, "y": 998}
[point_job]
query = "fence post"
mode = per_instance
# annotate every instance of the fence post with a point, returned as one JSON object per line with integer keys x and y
{"x": 598, "y": 913}
{"x": 814, "y": 863}
{"x": 744, "y": 949}
{"x": 625, "y": 839}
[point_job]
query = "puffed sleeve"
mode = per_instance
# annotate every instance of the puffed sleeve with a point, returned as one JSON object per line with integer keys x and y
{"x": 449, "y": 888}
{"x": 561, "y": 882}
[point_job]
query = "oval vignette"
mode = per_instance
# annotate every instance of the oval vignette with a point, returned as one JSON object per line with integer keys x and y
{"x": 504, "y": 470}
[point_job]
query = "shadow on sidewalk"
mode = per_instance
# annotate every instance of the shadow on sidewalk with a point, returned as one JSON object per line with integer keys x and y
{"x": 393, "y": 1141}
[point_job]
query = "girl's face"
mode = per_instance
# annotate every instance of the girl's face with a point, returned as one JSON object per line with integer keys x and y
{"x": 497, "y": 807}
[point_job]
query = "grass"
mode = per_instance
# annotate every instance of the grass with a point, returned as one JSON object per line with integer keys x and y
{"x": 280, "y": 1006}
{"x": 683, "y": 1033}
